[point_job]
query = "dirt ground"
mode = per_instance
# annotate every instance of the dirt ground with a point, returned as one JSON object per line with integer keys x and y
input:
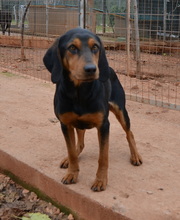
{"x": 150, "y": 191}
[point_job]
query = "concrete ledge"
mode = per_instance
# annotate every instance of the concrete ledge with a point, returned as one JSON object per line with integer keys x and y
{"x": 82, "y": 205}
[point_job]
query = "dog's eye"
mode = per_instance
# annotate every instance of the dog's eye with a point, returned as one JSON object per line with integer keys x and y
{"x": 95, "y": 48}
{"x": 72, "y": 49}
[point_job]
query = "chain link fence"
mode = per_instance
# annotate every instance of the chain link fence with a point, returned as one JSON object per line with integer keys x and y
{"x": 142, "y": 41}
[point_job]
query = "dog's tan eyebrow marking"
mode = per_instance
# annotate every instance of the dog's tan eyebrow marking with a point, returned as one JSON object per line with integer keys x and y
{"x": 76, "y": 42}
{"x": 91, "y": 42}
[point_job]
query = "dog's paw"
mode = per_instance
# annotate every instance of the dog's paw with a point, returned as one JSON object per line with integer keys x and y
{"x": 70, "y": 178}
{"x": 64, "y": 163}
{"x": 99, "y": 185}
{"x": 136, "y": 160}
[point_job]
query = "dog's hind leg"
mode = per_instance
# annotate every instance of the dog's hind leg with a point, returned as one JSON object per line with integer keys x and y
{"x": 124, "y": 120}
{"x": 8, "y": 27}
{"x": 79, "y": 147}
{"x": 3, "y": 28}
{"x": 117, "y": 106}
{"x": 80, "y": 141}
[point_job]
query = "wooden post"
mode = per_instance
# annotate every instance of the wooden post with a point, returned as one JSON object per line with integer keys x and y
{"x": 137, "y": 42}
{"x": 164, "y": 20}
{"x": 128, "y": 33}
{"x": 23, "y": 57}
{"x": 104, "y": 16}
{"x": 47, "y": 18}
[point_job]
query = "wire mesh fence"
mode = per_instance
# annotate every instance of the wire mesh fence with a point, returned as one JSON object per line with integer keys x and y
{"x": 142, "y": 43}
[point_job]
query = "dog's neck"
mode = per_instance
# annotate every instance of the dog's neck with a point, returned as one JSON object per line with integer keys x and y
{"x": 85, "y": 92}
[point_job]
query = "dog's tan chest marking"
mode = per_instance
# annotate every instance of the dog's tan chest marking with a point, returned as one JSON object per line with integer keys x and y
{"x": 85, "y": 121}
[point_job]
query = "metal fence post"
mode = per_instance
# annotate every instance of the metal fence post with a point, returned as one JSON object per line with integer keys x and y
{"x": 82, "y": 13}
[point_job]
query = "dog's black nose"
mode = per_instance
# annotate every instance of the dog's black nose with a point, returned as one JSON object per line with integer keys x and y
{"x": 90, "y": 68}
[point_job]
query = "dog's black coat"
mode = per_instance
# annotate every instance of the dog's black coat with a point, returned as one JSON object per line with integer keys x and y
{"x": 87, "y": 104}
{"x": 89, "y": 97}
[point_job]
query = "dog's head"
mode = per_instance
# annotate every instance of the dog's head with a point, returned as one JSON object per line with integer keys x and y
{"x": 80, "y": 54}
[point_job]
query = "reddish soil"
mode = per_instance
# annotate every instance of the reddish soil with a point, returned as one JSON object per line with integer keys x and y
{"x": 149, "y": 192}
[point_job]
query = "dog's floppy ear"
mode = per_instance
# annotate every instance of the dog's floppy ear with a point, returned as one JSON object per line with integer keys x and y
{"x": 52, "y": 61}
{"x": 103, "y": 65}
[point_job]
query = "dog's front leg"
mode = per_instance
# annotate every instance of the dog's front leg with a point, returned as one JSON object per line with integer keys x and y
{"x": 79, "y": 147}
{"x": 73, "y": 167}
{"x": 102, "y": 172}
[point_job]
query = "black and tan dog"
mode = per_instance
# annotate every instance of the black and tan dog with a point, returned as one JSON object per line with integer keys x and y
{"x": 5, "y": 21}
{"x": 86, "y": 89}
